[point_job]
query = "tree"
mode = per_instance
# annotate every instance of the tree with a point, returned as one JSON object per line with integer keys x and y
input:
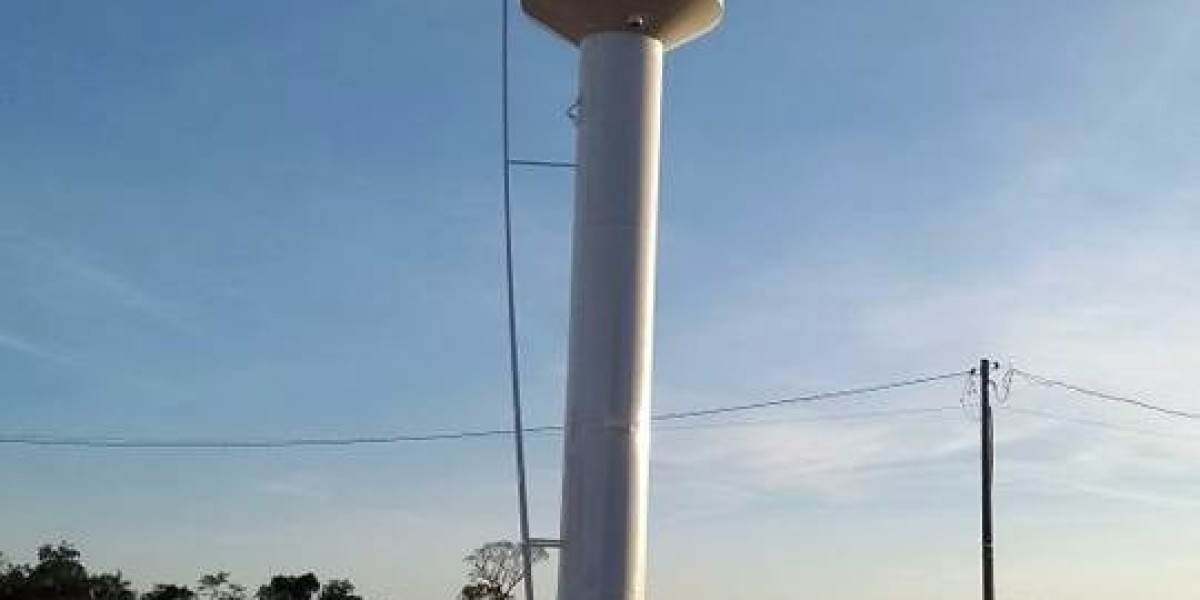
{"x": 479, "y": 591}
{"x": 63, "y": 553}
{"x": 58, "y": 575}
{"x": 495, "y": 569}
{"x": 12, "y": 579}
{"x": 294, "y": 587}
{"x": 109, "y": 586}
{"x": 216, "y": 586}
{"x": 169, "y": 592}
{"x": 338, "y": 589}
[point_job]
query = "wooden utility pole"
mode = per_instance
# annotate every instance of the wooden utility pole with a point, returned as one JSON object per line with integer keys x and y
{"x": 985, "y": 456}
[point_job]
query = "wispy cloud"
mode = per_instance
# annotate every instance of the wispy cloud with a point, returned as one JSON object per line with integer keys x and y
{"x": 27, "y": 347}
{"x": 77, "y": 271}
{"x": 830, "y": 462}
{"x": 1110, "y": 311}
{"x": 306, "y": 486}
{"x": 1146, "y": 496}
{"x": 1110, "y": 472}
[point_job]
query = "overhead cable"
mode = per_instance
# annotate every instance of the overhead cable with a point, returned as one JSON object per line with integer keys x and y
{"x": 85, "y": 442}
{"x": 1095, "y": 423}
{"x": 1107, "y": 397}
{"x": 854, "y": 416}
{"x": 861, "y": 391}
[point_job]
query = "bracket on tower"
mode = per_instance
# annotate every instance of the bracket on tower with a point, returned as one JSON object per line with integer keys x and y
{"x": 548, "y": 543}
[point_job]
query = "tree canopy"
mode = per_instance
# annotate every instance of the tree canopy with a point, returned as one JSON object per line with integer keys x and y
{"x": 338, "y": 589}
{"x": 494, "y": 570}
{"x": 290, "y": 587}
{"x": 217, "y": 586}
{"x": 169, "y": 592}
{"x": 59, "y": 574}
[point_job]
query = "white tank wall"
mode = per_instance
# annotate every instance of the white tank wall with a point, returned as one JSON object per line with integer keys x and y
{"x": 612, "y": 317}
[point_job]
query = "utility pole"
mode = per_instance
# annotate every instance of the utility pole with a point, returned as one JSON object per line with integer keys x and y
{"x": 985, "y": 456}
{"x": 607, "y": 447}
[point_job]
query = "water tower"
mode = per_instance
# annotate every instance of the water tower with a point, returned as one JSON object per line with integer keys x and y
{"x": 607, "y": 454}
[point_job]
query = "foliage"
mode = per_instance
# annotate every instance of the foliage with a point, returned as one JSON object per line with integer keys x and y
{"x": 59, "y": 575}
{"x": 495, "y": 569}
{"x": 169, "y": 592}
{"x": 109, "y": 586}
{"x": 216, "y": 586}
{"x": 482, "y": 591}
{"x": 12, "y": 578}
{"x": 338, "y": 589}
{"x": 285, "y": 587}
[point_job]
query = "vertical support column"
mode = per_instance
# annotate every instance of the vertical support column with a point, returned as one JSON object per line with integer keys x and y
{"x": 612, "y": 306}
{"x": 985, "y": 464}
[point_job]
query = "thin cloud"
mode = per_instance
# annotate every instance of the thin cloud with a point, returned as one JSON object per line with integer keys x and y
{"x": 75, "y": 267}
{"x": 24, "y": 346}
{"x": 1055, "y": 479}
{"x": 829, "y": 462}
{"x": 306, "y": 486}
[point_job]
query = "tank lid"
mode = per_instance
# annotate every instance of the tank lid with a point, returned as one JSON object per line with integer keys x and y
{"x": 674, "y": 22}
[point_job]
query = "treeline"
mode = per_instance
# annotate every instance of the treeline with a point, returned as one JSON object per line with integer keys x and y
{"x": 60, "y": 575}
{"x": 494, "y": 570}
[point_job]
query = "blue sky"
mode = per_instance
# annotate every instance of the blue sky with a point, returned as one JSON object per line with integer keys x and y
{"x": 274, "y": 219}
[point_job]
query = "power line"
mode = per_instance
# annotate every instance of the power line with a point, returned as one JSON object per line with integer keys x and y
{"x": 856, "y": 416}
{"x": 1096, "y": 423}
{"x": 257, "y": 444}
{"x": 861, "y": 391}
{"x": 1046, "y": 381}
{"x": 455, "y": 435}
